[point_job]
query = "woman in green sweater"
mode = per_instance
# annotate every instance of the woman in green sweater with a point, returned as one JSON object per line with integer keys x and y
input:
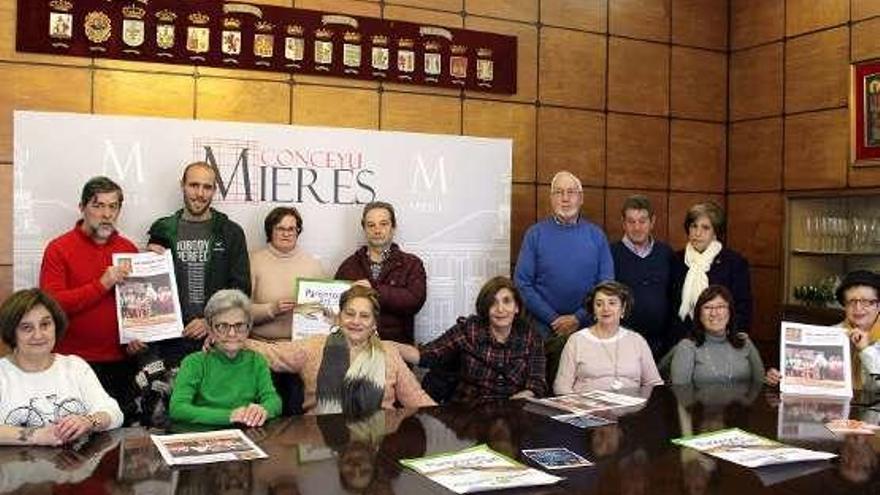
{"x": 228, "y": 383}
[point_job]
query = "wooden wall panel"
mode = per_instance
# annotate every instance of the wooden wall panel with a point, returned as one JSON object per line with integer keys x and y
{"x": 756, "y": 82}
{"x": 816, "y": 70}
{"x": 37, "y": 87}
{"x": 755, "y": 226}
{"x": 643, "y": 19}
{"x": 755, "y": 154}
{"x": 638, "y": 77}
{"x": 698, "y": 155}
{"x": 766, "y": 297}
{"x": 506, "y": 120}
{"x": 153, "y": 95}
{"x": 698, "y": 84}
{"x": 638, "y": 152}
{"x": 701, "y": 23}
{"x": 816, "y": 150}
{"x": 865, "y": 8}
{"x": 319, "y": 106}
{"x": 802, "y": 16}
{"x": 243, "y": 100}
{"x": 522, "y": 214}
{"x": 572, "y": 68}
{"x": 865, "y": 41}
{"x": 754, "y": 22}
{"x": 572, "y": 140}
{"x": 587, "y": 15}
{"x": 516, "y": 10}
{"x": 406, "y": 112}
{"x": 450, "y": 5}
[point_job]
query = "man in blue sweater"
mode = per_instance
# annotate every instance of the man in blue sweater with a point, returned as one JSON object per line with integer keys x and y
{"x": 644, "y": 264}
{"x": 561, "y": 259}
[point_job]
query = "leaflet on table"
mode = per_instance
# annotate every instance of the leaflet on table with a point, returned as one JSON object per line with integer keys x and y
{"x": 804, "y": 418}
{"x": 747, "y": 449}
{"x": 815, "y": 360}
{"x": 207, "y": 447}
{"x": 147, "y": 307}
{"x": 317, "y": 306}
{"x": 588, "y": 402}
{"x": 477, "y": 469}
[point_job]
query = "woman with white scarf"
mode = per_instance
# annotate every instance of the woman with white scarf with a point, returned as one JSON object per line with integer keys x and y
{"x": 706, "y": 261}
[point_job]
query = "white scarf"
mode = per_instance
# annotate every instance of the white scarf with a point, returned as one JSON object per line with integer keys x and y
{"x": 696, "y": 280}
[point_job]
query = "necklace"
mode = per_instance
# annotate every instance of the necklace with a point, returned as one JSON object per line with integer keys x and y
{"x": 616, "y": 384}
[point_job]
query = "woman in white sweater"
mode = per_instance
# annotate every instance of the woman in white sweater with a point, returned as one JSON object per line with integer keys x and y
{"x": 606, "y": 356}
{"x": 46, "y": 398}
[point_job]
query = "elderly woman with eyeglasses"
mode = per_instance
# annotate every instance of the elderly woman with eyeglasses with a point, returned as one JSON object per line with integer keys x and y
{"x": 858, "y": 294}
{"x": 227, "y": 383}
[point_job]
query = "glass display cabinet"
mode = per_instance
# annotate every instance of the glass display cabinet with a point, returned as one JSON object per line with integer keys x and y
{"x": 828, "y": 236}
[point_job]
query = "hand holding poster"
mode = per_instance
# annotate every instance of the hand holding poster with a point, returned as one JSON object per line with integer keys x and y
{"x": 147, "y": 307}
{"x": 317, "y": 306}
{"x": 815, "y": 361}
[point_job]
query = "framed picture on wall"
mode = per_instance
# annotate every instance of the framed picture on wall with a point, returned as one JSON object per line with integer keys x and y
{"x": 865, "y": 114}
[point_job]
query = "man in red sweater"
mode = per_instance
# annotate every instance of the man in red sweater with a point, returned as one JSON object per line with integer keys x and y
{"x": 78, "y": 271}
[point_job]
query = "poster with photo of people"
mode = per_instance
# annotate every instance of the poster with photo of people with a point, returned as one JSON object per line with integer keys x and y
{"x": 147, "y": 307}
{"x": 815, "y": 361}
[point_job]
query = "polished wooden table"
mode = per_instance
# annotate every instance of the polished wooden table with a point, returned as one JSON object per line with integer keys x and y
{"x": 328, "y": 455}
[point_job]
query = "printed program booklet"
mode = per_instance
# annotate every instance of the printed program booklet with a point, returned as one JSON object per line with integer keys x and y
{"x": 589, "y": 402}
{"x": 317, "y": 305}
{"x": 815, "y": 361}
{"x": 583, "y": 421}
{"x": 749, "y": 450}
{"x": 477, "y": 469}
{"x": 207, "y": 447}
{"x": 147, "y": 307}
{"x": 851, "y": 426}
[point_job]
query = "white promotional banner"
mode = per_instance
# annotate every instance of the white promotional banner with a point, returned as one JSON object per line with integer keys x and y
{"x": 451, "y": 193}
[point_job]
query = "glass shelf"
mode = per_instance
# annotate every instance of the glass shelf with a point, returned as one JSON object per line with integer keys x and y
{"x": 828, "y": 235}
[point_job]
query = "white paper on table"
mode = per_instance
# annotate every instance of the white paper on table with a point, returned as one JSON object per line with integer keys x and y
{"x": 478, "y": 469}
{"x": 749, "y": 450}
{"x": 207, "y": 447}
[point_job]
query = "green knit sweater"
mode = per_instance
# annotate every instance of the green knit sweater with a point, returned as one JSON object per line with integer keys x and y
{"x": 210, "y": 386}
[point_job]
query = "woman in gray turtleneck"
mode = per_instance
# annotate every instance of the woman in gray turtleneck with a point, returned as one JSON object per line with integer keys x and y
{"x": 716, "y": 353}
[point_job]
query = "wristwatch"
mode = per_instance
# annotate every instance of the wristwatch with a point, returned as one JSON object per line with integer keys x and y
{"x": 94, "y": 420}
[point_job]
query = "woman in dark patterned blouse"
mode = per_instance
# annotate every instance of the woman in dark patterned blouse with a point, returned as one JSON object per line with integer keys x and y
{"x": 496, "y": 352}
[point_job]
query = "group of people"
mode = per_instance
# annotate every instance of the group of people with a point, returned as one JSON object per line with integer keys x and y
{"x": 579, "y": 314}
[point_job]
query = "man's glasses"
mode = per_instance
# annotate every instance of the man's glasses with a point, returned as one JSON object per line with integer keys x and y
{"x": 565, "y": 192}
{"x": 235, "y": 328}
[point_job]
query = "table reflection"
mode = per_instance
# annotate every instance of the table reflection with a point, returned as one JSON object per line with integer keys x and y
{"x": 332, "y": 454}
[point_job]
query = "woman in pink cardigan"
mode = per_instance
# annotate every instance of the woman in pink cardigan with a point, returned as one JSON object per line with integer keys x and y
{"x": 351, "y": 370}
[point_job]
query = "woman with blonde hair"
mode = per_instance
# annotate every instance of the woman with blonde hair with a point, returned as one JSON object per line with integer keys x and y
{"x": 351, "y": 370}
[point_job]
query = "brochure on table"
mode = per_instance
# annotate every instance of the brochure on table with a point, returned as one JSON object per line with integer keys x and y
{"x": 478, "y": 469}
{"x": 207, "y": 447}
{"x": 749, "y": 450}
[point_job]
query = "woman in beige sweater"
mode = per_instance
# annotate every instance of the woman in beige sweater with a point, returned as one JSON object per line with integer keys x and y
{"x": 274, "y": 271}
